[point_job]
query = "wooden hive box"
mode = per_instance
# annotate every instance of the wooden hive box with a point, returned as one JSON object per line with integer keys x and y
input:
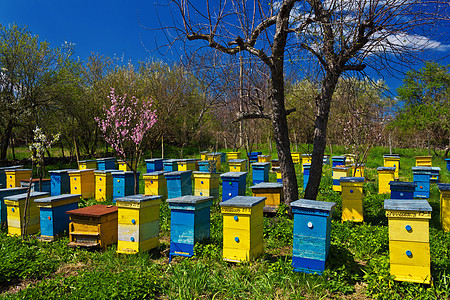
{"x": 60, "y": 182}
{"x": 423, "y": 161}
{"x": 138, "y": 223}
{"x": 264, "y": 158}
{"x": 154, "y": 164}
{"x": 104, "y": 184}
{"x": 392, "y": 160}
{"x": 326, "y": 160}
{"x": 189, "y": 223}
{"x": 338, "y": 161}
{"x": 93, "y": 226}
{"x": 15, "y": 207}
{"x": 123, "y": 166}
{"x": 350, "y": 159}
{"x": 233, "y": 184}
{"x": 444, "y": 188}
{"x": 206, "y": 184}
{"x": 179, "y": 183}
{"x": 260, "y": 172}
{"x": 306, "y": 170}
{"x": 306, "y": 159}
{"x": 311, "y": 236}
{"x": 253, "y": 156}
{"x": 352, "y": 198}
{"x": 170, "y": 165}
{"x": 82, "y": 182}
{"x": 123, "y": 184}
{"x": 272, "y": 191}
{"x": 87, "y": 164}
{"x": 447, "y": 161}
{"x": 54, "y": 221}
{"x": 107, "y": 163}
{"x": 203, "y": 155}
{"x": 385, "y": 175}
{"x": 339, "y": 172}
{"x": 3, "y": 174}
{"x": 187, "y": 164}
{"x": 6, "y": 193}
{"x": 277, "y": 170}
{"x": 409, "y": 246}
{"x": 422, "y": 176}
{"x": 435, "y": 174}
{"x": 208, "y": 166}
{"x": 358, "y": 170}
{"x": 402, "y": 190}
{"x": 155, "y": 184}
{"x": 275, "y": 163}
{"x": 242, "y": 228}
{"x": 233, "y": 155}
{"x": 238, "y": 165}
{"x": 14, "y": 176}
{"x": 296, "y": 157}
{"x": 35, "y": 186}
{"x": 216, "y": 158}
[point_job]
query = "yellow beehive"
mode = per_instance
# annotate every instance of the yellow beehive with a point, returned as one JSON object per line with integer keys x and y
{"x": 203, "y": 155}
{"x": 14, "y": 176}
{"x": 409, "y": 246}
{"x": 350, "y": 159}
{"x": 264, "y": 158}
{"x": 296, "y": 157}
{"x": 87, "y": 164}
{"x": 123, "y": 166}
{"x": 444, "y": 188}
{"x": 423, "y": 161}
{"x": 385, "y": 175}
{"x": 272, "y": 191}
{"x": 138, "y": 223}
{"x": 352, "y": 198}
{"x": 187, "y": 165}
{"x": 216, "y": 158}
{"x": 15, "y": 207}
{"x": 238, "y": 165}
{"x": 233, "y": 155}
{"x": 393, "y": 161}
{"x": 103, "y": 184}
{"x": 206, "y": 184}
{"x": 339, "y": 172}
{"x": 82, "y": 182}
{"x": 155, "y": 184}
{"x": 358, "y": 171}
{"x": 242, "y": 228}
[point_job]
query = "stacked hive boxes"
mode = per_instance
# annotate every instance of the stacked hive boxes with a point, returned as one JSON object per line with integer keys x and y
{"x": 233, "y": 184}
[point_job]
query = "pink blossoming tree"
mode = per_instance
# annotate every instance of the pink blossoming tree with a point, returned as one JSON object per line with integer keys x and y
{"x": 124, "y": 125}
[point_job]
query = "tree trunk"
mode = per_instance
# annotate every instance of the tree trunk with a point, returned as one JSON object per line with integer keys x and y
{"x": 5, "y": 141}
{"x": 323, "y": 104}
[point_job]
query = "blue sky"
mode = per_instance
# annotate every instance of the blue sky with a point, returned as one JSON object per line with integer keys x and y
{"x": 110, "y": 28}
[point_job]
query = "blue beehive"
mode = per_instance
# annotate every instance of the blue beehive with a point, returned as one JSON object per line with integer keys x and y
{"x": 435, "y": 174}
{"x": 154, "y": 164}
{"x": 326, "y": 159}
{"x": 123, "y": 184}
{"x": 338, "y": 161}
{"x": 306, "y": 169}
{"x": 311, "y": 243}
{"x": 422, "y": 176}
{"x": 35, "y": 185}
{"x": 253, "y": 157}
{"x": 402, "y": 190}
{"x": 179, "y": 183}
{"x": 189, "y": 223}
{"x": 260, "y": 172}
{"x": 5, "y": 193}
{"x": 207, "y": 166}
{"x": 3, "y": 175}
{"x": 60, "y": 182}
{"x": 447, "y": 160}
{"x": 107, "y": 163}
{"x": 233, "y": 184}
{"x": 54, "y": 220}
{"x": 170, "y": 165}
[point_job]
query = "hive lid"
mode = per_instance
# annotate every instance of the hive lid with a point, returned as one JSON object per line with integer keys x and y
{"x": 24, "y": 196}
{"x": 313, "y": 204}
{"x": 24, "y": 189}
{"x": 81, "y": 171}
{"x": 392, "y": 155}
{"x": 61, "y": 171}
{"x": 242, "y": 201}
{"x": 240, "y": 160}
{"x": 11, "y": 168}
{"x": 170, "y": 161}
{"x": 105, "y": 171}
{"x": 352, "y": 179}
{"x": 97, "y": 210}
{"x": 87, "y": 160}
{"x": 106, "y": 158}
{"x": 340, "y": 168}
{"x": 435, "y": 169}
{"x": 307, "y": 165}
{"x": 423, "y": 156}
{"x": 189, "y": 199}
{"x": 118, "y": 172}
{"x": 444, "y": 186}
{"x": 267, "y": 185}
{"x": 421, "y": 168}
{"x": 338, "y": 157}
{"x": 386, "y": 169}
{"x": 407, "y": 205}
{"x": 56, "y": 198}
{"x": 155, "y": 173}
{"x": 307, "y": 155}
{"x": 233, "y": 174}
{"x": 403, "y": 184}
{"x": 178, "y": 173}
{"x": 35, "y": 180}
{"x": 260, "y": 164}
{"x": 154, "y": 159}
{"x": 20, "y": 170}
{"x": 138, "y": 198}
{"x": 188, "y": 160}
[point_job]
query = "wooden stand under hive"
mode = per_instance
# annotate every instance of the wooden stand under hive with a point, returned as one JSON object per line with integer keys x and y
{"x": 242, "y": 228}
{"x": 138, "y": 223}
{"x": 93, "y": 226}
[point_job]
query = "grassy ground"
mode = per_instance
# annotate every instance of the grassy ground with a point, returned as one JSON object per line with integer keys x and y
{"x": 357, "y": 268}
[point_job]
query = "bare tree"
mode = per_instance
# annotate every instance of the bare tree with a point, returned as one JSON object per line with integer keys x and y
{"x": 341, "y": 35}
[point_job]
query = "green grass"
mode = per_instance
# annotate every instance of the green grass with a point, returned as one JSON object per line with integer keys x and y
{"x": 357, "y": 267}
